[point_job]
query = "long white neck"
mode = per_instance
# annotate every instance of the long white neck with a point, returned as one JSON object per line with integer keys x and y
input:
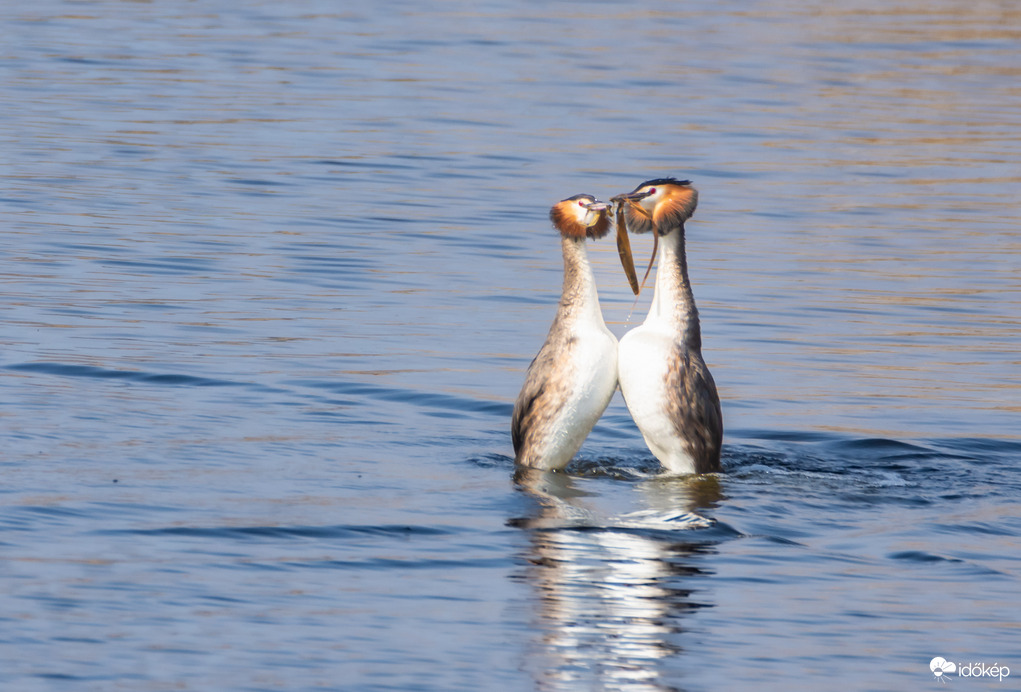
{"x": 673, "y": 304}
{"x": 579, "y": 300}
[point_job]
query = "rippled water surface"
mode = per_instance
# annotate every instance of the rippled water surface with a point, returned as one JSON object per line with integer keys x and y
{"x": 272, "y": 273}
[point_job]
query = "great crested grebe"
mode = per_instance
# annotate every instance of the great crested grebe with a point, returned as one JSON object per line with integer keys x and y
{"x": 666, "y": 385}
{"x": 571, "y": 380}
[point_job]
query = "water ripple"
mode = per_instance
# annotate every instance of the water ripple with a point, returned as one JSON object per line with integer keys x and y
{"x": 279, "y": 268}
{"x": 73, "y": 370}
{"x": 341, "y": 532}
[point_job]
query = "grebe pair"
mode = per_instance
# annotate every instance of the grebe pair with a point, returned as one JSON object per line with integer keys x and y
{"x": 659, "y": 367}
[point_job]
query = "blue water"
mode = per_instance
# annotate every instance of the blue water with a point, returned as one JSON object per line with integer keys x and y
{"x": 272, "y": 273}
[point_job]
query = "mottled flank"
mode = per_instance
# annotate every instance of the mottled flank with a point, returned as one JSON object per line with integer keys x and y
{"x": 570, "y": 382}
{"x": 675, "y": 405}
{"x": 548, "y": 382}
{"x": 547, "y": 390}
{"x": 694, "y": 407}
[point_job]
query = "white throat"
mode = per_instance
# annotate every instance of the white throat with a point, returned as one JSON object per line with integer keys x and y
{"x": 580, "y": 283}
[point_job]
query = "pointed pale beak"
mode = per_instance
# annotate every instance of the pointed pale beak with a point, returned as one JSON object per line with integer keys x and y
{"x": 633, "y": 196}
{"x": 632, "y": 199}
{"x": 596, "y": 207}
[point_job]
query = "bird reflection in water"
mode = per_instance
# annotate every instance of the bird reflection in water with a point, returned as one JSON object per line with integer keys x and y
{"x": 612, "y": 590}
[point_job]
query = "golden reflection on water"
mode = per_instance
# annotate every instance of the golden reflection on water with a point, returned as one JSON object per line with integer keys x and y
{"x": 612, "y": 590}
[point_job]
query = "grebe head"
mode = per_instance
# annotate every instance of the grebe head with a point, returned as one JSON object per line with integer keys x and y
{"x": 661, "y": 203}
{"x": 581, "y": 216}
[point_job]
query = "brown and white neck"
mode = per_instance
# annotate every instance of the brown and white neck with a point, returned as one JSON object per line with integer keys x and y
{"x": 579, "y": 300}
{"x": 673, "y": 304}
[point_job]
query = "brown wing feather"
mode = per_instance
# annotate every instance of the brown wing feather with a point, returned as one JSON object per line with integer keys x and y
{"x": 694, "y": 406}
{"x": 521, "y": 420}
{"x": 540, "y": 398}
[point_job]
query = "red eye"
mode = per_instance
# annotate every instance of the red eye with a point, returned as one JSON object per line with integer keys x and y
{"x": 581, "y": 204}
{"x": 652, "y": 190}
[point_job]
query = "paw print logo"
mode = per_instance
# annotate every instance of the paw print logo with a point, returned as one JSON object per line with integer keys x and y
{"x": 939, "y": 666}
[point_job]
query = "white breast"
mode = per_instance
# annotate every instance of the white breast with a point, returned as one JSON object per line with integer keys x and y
{"x": 593, "y": 379}
{"x": 643, "y": 357}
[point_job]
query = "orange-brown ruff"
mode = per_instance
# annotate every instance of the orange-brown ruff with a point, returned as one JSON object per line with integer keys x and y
{"x": 569, "y": 383}
{"x": 565, "y": 219}
{"x": 676, "y": 206}
{"x": 665, "y": 382}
